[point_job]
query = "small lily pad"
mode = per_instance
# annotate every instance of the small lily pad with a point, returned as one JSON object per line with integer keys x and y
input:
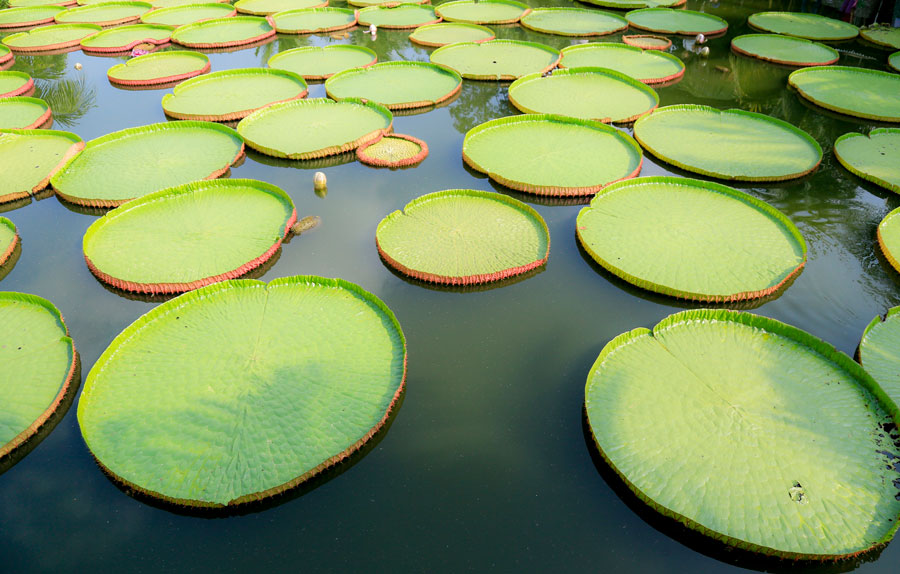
{"x": 875, "y": 157}
{"x": 159, "y": 68}
{"x": 893, "y": 61}
{"x": 496, "y": 59}
{"x": 573, "y": 22}
{"x": 23, "y": 113}
{"x": 450, "y": 33}
{"x": 647, "y": 41}
{"x": 396, "y": 85}
{"x": 313, "y": 20}
{"x": 393, "y": 150}
{"x": 28, "y": 158}
{"x": 322, "y": 62}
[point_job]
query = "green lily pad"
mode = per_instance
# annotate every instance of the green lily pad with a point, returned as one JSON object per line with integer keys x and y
{"x": 875, "y": 157}
{"x": 635, "y": 4}
{"x": 188, "y": 14}
{"x": 884, "y": 36}
{"x": 786, "y": 50}
{"x": 14, "y": 83}
{"x": 858, "y": 92}
{"x": 264, "y": 387}
{"x": 189, "y": 236}
{"x": 894, "y": 61}
{"x": 367, "y": 3}
{"x": 496, "y": 59}
{"x": 809, "y": 26}
{"x": 28, "y": 158}
{"x": 47, "y": 38}
{"x": 450, "y": 33}
{"x": 223, "y": 32}
{"x": 463, "y": 237}
{"x": 691, "y": 239}
{"x": 159, "y": 68}
{"x": 648, "y": 66}
{"x": 124, "y": 38}
{"x": 21, "y": 3}
{"x": 232, "y": 94}
{"x": 399, "y": 16}
{"x": 573, "y": 22}
{"x": 266, "y": 7}
{"x": 133, "y": 162}
{"x": 172, "y": 3}
{"x": 393, "y": 150}
{"x": 310, "y": 129}
{"x": 668, "y": 21}
{"x": 483, "y": 12}
{"x": 551, "y": 155}
{"x": 28, "y": 16}
{"x": 647, "y": 41}
{"x": 396, "y": 85}
{"x": 889, "y": 241}
{"x": 23, "y": 113}
{"x": 9, "y": 239}
{"x": 322, "y": 62}
{"x": 881, "y": 340}
{"x": 38, "y": 360}
{"x": 729, "y": 144}
{"x": 104, "y": 14}
{"x": 5, "y": 55}
{"x": 587, "y": 93}
{"x": 314, "y": 20}
{"x": 674, "y": 409}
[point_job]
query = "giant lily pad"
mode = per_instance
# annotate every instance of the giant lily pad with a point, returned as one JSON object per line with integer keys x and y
{"x": 367, "y": 3}
{"x": 189, "y": 236}
{"x": 124, "y": 38}
{"x": 859, "y": 92}
{"x": 28, "y": 158}
{"x": 310, "y": 129}
{"x": 396, "y": 85}
{"x": 6, "y": 55}
{"x": 889, "y": 238}
{"x": 223, "y": 32}
{"x": 551, "y": 155}
{"x": 15, "y": 83}
{"x": 784, "y": 50}
{"x": 9, "y": 239}
{"x": 28, "y": 16}
{"x": 691, "y": 239}
{"x": 130, "y": 163}
{"x": 881, "y": 340}
{"x": 319, "y": 63}
{"x": 241, "y": 390}
{"x": 884, "y": 36}
{"x": 672, "y": 410}
{"x": 893, "y": 61}
{"x": 232, "y": 94}
{"x": 23, "y": 113}
{"x": 21, "y": 3}
{"x": 188, "y": 14}
{"x": 809, "y": 26}
{"x": 587, "y": 93}
{"x": 159, "y": 68}
{"x": 650, "y": 66}
{"x": 635, "y": 4}
{"x": 875, "y": 157}
{"x": 573, "y": 22}
{"x": 48, "y": 38}
{"x": 668, "y": 21}
{"x": 104, "y": 14}
{"x": 450, "y": 33}
{"x": 266, "y": 7}
{"x": 483, "y": 12}
{"x": 399, "y": 16}
{"x": 313, "y": 20}
{"x": 730, "y": 144}
{"x": 38, "y": 360}
{"x": 496, "y": 59}
{"x": 173, "y": 3}
{"x": 463, "y": 237}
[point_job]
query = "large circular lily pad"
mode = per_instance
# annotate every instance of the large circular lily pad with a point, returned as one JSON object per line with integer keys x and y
{"x": 188, "y": 14}
{"x": 496, "y": 59}
{"x": 232, "y": 94}
{"x": 587, "y": 93}
{"x": 573, "y": 22}
{"x": 28, "y": 158}
{"x": 314, "y": 20}
{"x": 266, "y": 7}
{"x": 786, "y": 50}
{"x": 889, "y": 238}
{"x": 648, "y": 66}
{"x": 48, "y": 38}
{"x": 551, "y": 155}
{"x": 21, "y": 3}
{"x": 878, "y": 349}
{"x": 483, "y": 12}
{"x": 6, "y": 55}
{"x": 802, "y": 25}
{"x": 691, "y": 239}
{"x": 875, "y": 157}
{"x": 399, "y": 16}
{"x": 131, "y": 163}
{"x": 23, "y": 113}
{"x": 105, "y": 13}
{"x": 463, "y": 237}
{"x": 28, "y": 16}
{"x": 715, "y": 401}
{"x": 884, "y": 36}
{"x": 668, "y": 21}
{"x": 858, "y": 92}
{"x": 635, "y": 4}
{"x": 224, "y": 32}
{"x": 185, "y": 237}
{"x": 14, "y": 83}
{"x": 38, "y": 359}
{"x": 241, "y": 390}
{"x": 450, "y": 33}
{"x": 159, "y": 68}
{"x": 729, "y": 144}
{"x": 124, "y": 38}
{"x": 310, "y": 129}
{"x": 9, "y": 239}
{"x": 367, "y": 3}
{"x": 397, "y": 85}
{"x": 172, "y": 3}
{"x": 320, "y": 63}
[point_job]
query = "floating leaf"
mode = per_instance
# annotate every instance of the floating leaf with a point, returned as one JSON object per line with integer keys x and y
{"x": 893, "y": 61}
{"x": 647, "y": 41}
{"x": 314, "y": 20}
{"x": 266, "y": 7}
{"x": 450, "y": 33}
{"x": 48, "y": 38}
{"x": 875, "y": 157}
{"x": 124, "y": 38}
{"x": 6, "y": 55}
{"x": 28, "y": 16}
{"x": 23, "y": 113}
{"x": 188, "y": 14}
{"x": 635, "y": 4}
{"x": 496, "y": 59}
{"x": 801, "y": 25}
{"x": 668, "y": 21}
{"x": 9, "y": 240}
{"x": 483, "y": 12}
{"x": 394, "y": 150}
{"x": 14, "y": 83}
{"x": 784, "y": 50}
{"x": 28, "y": 158}
{"x": 104, "y": 14}
{"x": 881, "y": 339}
{"x": 889, "y": 238}
{"x": 650, "y": 67}
{"x": 322, "y": 62}
{"x": 224, "y": 32}
{"x": 884, "y": 36}
{"x": 573, "y": 22}
{"x": 858, "y": 92}
{"x": 399, "y": 16}
{"x": 396, "y": 85}
{"x": 159, "y": 68}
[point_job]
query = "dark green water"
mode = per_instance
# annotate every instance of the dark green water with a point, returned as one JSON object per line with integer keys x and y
{"x": 486, "y": 466}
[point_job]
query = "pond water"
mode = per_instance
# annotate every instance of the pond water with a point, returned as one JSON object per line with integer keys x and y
{"x": 486, "y": 466}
